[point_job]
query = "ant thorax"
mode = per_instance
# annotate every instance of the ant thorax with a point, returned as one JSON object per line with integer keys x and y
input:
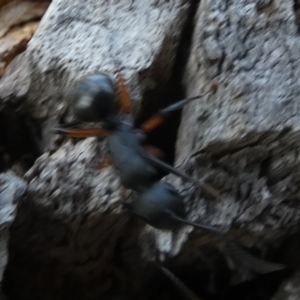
{"x": 125, "y": 122}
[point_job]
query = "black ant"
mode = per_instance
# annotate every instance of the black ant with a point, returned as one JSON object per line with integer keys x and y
{"x": 94, "y": 100}
{"x": 158, "y": 203}
{"x": 162, "y": 207}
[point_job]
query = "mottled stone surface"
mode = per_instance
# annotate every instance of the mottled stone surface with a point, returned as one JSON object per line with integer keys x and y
{"x": 12, "y": 190}
{"x": 244, "y": 139}
{"x": 77, "y": 38}
{"x": 15, "y": 84}
{"x": 72, "y": 238}
{"x": 71, "y": 229}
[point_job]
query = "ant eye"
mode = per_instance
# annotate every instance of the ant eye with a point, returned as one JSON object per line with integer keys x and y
{"x": 94, "y": 98}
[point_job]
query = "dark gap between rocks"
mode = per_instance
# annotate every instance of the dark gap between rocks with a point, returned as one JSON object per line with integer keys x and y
{"x": 19, "y": 140}
{"x": 260, "y": 288}
{"x": 263, "y": 6}
{"x": 297, "y": 13}
{"x": 165, "y": 136}
{"x": 210, "y": 277}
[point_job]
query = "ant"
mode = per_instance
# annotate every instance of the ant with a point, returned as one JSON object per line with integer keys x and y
{"x": 162, "y": 207}
{"x": 94, "y": 100}
{"x": 158, "y": 203}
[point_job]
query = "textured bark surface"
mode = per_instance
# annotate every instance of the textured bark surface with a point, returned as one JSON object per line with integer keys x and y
{"x": 72, "y": 239}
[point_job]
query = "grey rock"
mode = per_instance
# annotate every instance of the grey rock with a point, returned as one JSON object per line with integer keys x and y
{"x": 243, "y": 140}
{"x": 76, "y": 39}
{"x": 72, "y": 233}
{"x": 247, "y": 144}
{"x": 12, "y": 190}
{"x": 15, "y": 83}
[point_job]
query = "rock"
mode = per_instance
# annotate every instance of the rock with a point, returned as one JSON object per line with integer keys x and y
{"x": 12, "y": 190}
{"x": 15, "y": 83}
{"x": 72, "y": 239}
{"x": 15, "y": 42}
{"x": 141, "y": 39}
{"x": 19, "y": 133}
{"x": 243, "y": 139}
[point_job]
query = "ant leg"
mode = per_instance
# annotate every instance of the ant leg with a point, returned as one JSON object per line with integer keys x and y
{"x": 164, "y": 166}
{"x": 123, "y": 95}
{"x": 70, "y": 124}
{"x": 154, "y": 151}
{"x": 81, "y": 132}
{"x": 207, "y": 228}
{"x": 105, "y": 162}
{"x": 156, "y": 120}
{"x": 189, "y": 294}
{"x": 250, "y": 261}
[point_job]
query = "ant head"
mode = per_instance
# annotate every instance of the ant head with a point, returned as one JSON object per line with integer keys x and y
{"x": 157, "y": 204}
{"x": 94, "y": 98}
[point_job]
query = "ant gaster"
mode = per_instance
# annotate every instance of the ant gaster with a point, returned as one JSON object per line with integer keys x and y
{"x": 162, "y": 207}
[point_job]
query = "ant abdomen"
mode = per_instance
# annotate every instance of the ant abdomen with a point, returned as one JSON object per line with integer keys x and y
{"x": 158, "y": 204}
{"x": 94, "y": 98}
